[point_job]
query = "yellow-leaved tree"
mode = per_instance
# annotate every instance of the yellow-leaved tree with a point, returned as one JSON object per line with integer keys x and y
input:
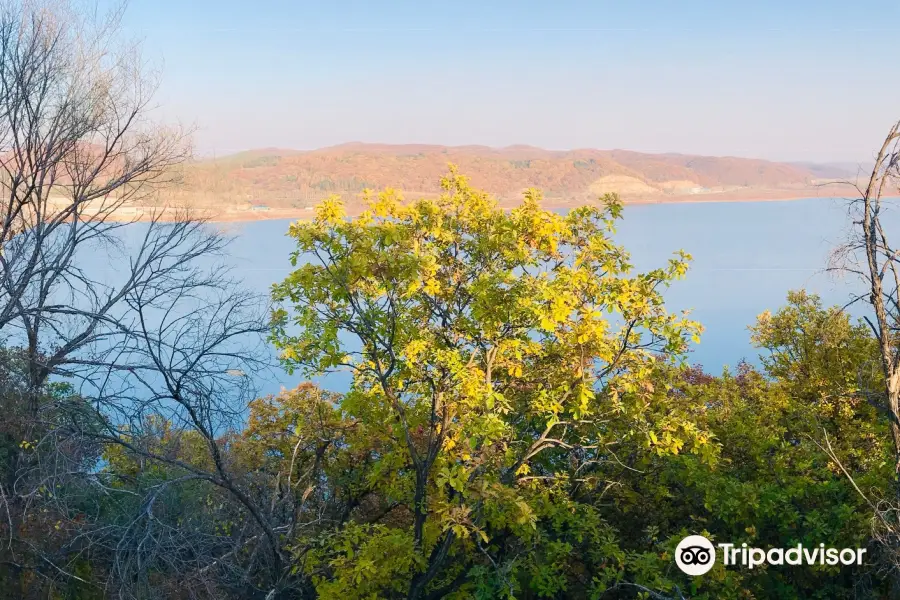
{"x": 497, "y": 359}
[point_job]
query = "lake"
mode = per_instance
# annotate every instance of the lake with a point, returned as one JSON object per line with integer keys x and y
{"x": 747, "y": 255}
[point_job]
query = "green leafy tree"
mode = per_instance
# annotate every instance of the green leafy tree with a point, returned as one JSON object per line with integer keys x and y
{"x": 827, "y": 364}
{"x": 772, "y": 483}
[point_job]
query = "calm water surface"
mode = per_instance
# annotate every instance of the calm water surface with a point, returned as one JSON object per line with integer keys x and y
{"x": 747, "y": 255}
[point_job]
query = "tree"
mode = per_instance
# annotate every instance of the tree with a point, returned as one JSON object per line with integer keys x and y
{"x": 824, "y": 363}
{"x": 869, "y": 255}
{"x": 771, "y": 483}
{"x": 879, "y": 271}
{"x": 141, "y": 319}
{"x": 487, "y": 370}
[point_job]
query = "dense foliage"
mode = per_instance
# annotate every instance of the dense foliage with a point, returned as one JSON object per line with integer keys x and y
{"x": 521, "y": 423}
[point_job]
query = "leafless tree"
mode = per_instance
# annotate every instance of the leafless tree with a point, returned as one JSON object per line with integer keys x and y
{"x": 869, "y": 255}
{"x": 141, "y": 319}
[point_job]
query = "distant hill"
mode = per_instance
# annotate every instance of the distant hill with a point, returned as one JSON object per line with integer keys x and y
{"x": 836, "y": 170}
{"x": 288, "y": 179}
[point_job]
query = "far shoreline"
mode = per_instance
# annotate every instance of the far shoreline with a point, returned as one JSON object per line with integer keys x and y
{"x": 740, "y": 196}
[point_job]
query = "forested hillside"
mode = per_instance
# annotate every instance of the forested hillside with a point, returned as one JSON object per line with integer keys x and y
{"x": 290, "y": 179}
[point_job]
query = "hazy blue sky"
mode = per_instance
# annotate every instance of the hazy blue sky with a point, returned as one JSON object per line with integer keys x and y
{"x": 780, "y": 79}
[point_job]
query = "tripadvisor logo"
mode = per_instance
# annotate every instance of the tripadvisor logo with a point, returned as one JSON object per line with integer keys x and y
{"x": 695, "y": 555}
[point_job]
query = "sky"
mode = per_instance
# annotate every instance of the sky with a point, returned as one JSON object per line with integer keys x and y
{"x": 793, "y": 80}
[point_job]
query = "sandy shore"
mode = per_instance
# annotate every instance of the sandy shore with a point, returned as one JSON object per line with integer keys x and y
{"x": 757, "y": 195}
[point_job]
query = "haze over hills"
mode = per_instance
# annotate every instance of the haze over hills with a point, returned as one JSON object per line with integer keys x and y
{"x": 841, "y": 170}
{"x": 277, "y": 180}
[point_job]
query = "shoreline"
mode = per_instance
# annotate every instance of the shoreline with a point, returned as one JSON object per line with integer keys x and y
{"x": 295, "y": 214}
{"x": 750, "y": 196}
